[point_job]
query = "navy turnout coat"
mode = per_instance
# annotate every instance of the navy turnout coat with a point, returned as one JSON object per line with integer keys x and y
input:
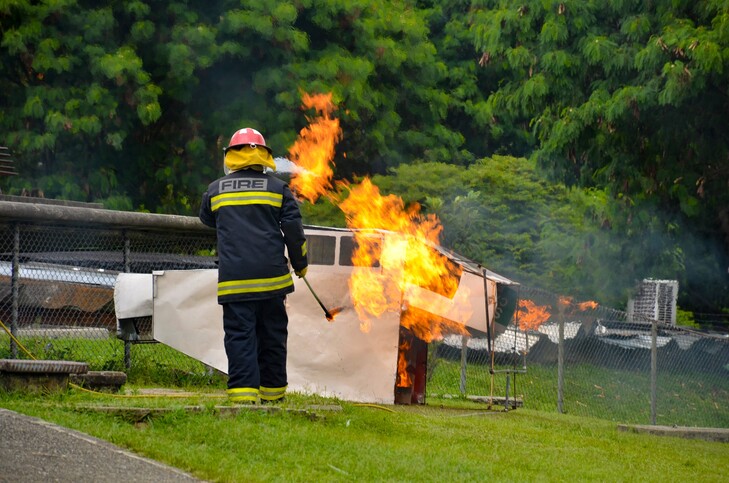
{"x": 255, "y": 216}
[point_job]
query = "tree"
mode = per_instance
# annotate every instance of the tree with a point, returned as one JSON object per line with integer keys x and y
{"x": 502, "y": 212}
{"x": 138, "y": 101}
{"x": 72, "y": 92}
{"x": 377, "y": 59}
{"x": 625, "y": 95}
{"x": 132, "y": 102}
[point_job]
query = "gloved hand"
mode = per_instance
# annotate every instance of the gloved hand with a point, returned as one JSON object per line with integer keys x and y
{"x": 301, "y": 273}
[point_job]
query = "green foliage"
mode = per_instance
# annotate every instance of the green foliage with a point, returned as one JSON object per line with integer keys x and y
{"x": 322, "y": 213}
{"x": 136, "y": 100}
{"x": 625, "y": 100}
{"x": 117, "y": 202}
{"x": 684, "y": 318}
{"x": 625, "y": 97}
{"x": 502, "y": 212}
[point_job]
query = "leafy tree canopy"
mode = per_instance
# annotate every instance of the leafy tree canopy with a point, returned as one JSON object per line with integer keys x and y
{"x": 131, "y": 103}
{"x": 626, "y": 95}
{"x": 501, "y": 212}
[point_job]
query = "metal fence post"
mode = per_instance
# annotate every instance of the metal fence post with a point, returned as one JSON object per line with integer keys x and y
{"x": 127, "y": 344}
{"x": 464, "y": 352}
{"x": 560, "y": 362}
{"x": 654, "y": 368}
{"x": 15, "y": 290}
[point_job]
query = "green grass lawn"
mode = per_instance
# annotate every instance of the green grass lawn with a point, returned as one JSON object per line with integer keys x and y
{"x": 686, "y": 399}
{"x": 448, "y": 441}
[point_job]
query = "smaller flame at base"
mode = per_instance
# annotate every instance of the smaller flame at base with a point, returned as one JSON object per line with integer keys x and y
{"x": 403, "y": 376}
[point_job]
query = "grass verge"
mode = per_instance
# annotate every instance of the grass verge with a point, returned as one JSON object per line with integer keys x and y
{"x": 688, "y": 398}
{"x": 452, "y": 441}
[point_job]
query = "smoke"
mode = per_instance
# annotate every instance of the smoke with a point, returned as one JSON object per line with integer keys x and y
{"x": 502, "y": 213}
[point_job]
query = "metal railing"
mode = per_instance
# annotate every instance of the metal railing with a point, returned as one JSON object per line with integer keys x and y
{"x": 592, "y": 361}
{"x": 58, "y": 266}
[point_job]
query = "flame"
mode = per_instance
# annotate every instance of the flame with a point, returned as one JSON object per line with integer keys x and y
{"x": 405, "y": 254}
{"x": 313, "y": 151}
{"x": 430, "y": 327}
{"x": 403, "y": 376}
{"x": 581, "y": 306}
{"x": 531, "y": 315}
{"x": 409, "y": 268}
{"x": 589, "y": 305}
{"x": 334, "y": 312}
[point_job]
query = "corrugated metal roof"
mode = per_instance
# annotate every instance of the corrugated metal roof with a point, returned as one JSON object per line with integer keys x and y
{"x": 7, "y": 163}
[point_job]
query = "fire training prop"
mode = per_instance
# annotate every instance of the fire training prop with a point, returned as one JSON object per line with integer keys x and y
{"x": 329, "y": 315}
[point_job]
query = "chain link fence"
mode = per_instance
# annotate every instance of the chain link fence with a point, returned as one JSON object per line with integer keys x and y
{"x": 587, "y": 360}
{"x": 58, "y": 266}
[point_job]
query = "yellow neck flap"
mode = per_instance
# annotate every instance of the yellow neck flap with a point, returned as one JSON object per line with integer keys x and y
{"x": 237, "y": 159}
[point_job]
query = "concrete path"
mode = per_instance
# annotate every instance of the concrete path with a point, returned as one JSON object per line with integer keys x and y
{"x": 33, "y": 450}
{"x": 708, "y": 434}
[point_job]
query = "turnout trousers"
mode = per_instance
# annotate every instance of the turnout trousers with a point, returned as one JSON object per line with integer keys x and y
{"x": 256, "y": 332}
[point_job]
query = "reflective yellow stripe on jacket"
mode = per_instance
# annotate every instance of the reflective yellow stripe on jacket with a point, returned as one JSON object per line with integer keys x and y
{"x": 254, "y": 285}
{"x": 246, "y": 198}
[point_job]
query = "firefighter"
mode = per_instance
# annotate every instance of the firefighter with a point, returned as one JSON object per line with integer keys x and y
{"x": 255, "y": 216}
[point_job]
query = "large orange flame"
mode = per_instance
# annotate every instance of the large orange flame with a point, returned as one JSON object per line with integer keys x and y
{"x": 395, "y": 259}
{"x": 405, "y": 254}
{"x": 531, "y": 315}
{"x": 313, "y": 151}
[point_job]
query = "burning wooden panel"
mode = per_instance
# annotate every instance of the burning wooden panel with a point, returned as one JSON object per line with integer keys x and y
{"x": 466, "y": 307}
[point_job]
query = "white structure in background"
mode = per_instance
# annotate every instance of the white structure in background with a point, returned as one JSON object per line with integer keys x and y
{"x": 655, "y": 300}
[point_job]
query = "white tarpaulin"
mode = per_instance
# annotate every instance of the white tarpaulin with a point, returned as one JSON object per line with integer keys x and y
{"x": 327, "y": 358}
{"x": 187, "y": 316}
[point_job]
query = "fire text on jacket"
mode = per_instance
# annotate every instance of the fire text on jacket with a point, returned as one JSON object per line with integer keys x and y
{"x": 243, "y": 184}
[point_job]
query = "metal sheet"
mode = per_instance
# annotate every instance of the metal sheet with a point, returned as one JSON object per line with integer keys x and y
{"x": 133, "y": 295}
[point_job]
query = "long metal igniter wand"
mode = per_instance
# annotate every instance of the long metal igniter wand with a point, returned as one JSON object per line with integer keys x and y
{"x": 327, "y": 314}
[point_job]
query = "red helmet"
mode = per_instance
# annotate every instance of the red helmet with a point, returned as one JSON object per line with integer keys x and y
{"x": 247, "y": 136}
